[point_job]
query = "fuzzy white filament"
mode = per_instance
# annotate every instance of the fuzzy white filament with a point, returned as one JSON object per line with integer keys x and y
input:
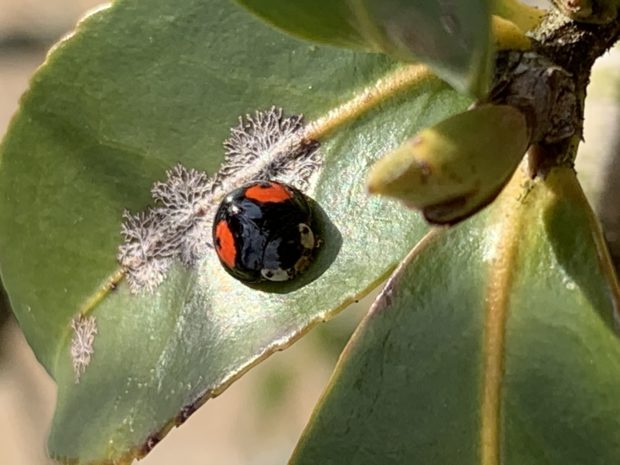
{"x": 84, "y": 331}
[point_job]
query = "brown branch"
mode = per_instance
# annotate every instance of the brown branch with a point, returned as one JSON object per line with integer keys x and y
{"x": 548, "y": 84}
{"x": 575, "y": 46}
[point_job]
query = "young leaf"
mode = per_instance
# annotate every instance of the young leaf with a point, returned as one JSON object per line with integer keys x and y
{"x": 453, "y": 37}
{"x": 526, "y": 17}
{"x": 493, "y": 343}
{"x": 458, "y": 166}
{"x": 137, "y": 89}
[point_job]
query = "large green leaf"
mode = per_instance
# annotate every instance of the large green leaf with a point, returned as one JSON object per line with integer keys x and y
{"x": 141, "y": 86}
{"x": 451, "y": 36}
{"x": 493, "y": 343}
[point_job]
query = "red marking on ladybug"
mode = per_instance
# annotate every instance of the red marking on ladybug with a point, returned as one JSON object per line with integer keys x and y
{"x": 268, "y": 192}
{"x": 264, "y": 231}
{"x": 225, "y": 243}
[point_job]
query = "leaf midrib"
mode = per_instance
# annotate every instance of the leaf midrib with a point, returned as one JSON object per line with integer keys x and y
{"x": 497, "y": 298}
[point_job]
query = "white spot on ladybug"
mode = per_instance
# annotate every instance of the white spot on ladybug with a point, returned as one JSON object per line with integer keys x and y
{"x": 307, "y": 236}
{"x": 84, "y": 331}
{"x": 264, "y": 146}
{"x": 276, "y": 274}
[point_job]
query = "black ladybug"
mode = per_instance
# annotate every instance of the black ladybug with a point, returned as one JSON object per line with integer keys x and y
{"x": 264, "y": 231}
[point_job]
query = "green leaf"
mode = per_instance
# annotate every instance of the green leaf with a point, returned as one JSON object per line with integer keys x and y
{"x": 5, "y": 311}
{"x": 492, "y": 343}
{"x": 139, "y": 87}
{"x": 453, "y": 37}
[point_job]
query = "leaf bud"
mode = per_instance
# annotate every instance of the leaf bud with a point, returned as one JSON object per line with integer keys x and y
{"x": 455, "y": 168}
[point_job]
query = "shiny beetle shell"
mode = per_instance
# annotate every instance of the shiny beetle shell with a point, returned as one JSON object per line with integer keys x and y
{"x": 264, "y": 231}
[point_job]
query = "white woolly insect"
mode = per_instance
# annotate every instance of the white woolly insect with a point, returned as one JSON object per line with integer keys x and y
{"x": 84, "y": 331}
{"x": 267, "y": 145}
{"x": 183, "y": 196}
{"x": 185, "y": 199}
{"x": 195, "y": 242}
{"x": 145, "y": 252}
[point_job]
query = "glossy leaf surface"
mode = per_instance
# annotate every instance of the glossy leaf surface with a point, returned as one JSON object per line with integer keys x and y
{"x": 493, "y": 343}
{"x": 451, "y": 36}
{"x": 139, "y": 87}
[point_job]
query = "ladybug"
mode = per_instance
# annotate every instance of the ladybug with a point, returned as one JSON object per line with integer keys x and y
{"x": 263, "y": 231}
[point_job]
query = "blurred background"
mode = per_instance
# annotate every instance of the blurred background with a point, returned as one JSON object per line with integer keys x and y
{"x": 258, "y": 420}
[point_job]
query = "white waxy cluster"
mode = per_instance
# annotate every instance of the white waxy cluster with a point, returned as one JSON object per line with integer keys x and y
{"x": 264, "y": 146}
{"x": 84, "y": 331}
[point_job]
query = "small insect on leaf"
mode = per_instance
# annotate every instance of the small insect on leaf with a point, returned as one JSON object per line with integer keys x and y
{"x": 264, "y": 231}
{"x": 265, "y": 146}
{"x": 268, "y": 145}
{"x": 145, "y": 252}
{"x": 84, "y": 332}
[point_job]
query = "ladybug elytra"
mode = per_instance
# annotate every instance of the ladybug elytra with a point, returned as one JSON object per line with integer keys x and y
{"x": 264, "y": 231}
